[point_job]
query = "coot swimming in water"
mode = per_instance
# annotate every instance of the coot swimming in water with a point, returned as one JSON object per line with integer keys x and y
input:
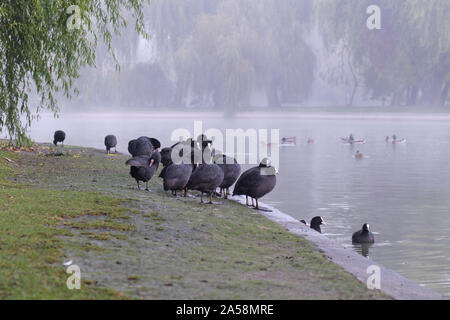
{"x": 363, "y": 235}
{"x": 231, "y": 170}
{"x": 256, "y": 182}
{"x": 110, "y": 142}
{"x": 144, "y": 167}
{"x": 59, "y": 136}
{"x": 316, "y": 222}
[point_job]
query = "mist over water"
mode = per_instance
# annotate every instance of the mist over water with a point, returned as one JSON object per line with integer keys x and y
{"x": 402, "y": 191}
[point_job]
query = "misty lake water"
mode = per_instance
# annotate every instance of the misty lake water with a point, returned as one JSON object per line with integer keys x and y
{"x": 402, "y": 191}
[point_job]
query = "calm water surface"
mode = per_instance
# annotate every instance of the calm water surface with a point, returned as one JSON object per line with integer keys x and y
{"x": 402, "y": 191}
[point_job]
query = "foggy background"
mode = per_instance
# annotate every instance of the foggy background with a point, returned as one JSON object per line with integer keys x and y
{"x": 237, "y": 55}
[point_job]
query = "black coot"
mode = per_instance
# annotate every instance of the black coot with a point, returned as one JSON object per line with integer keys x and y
{"x": 180, "y": 148}
{"x": 166, "y": 156}
{"x": 154, "y": 142}
{"x": 59, "y": 136}
{"x": 363, "y": 235}
{"x": 144, "y": 167}
{"x": 205, "y": 178}
{"x": 231, "y": 171}
{"x": 176, "y": 177}
{"x": 140, "y": 147}
{"x": 166, "y": 160}
{"x": 256, "y": 182}
{"x": 110, "y": 142}
{"x": 316, "y": 222}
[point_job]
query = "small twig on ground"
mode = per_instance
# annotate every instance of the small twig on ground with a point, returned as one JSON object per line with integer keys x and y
{"x": 9, "y": 160}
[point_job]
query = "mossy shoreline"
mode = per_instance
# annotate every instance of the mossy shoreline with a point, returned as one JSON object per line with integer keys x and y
{"x": 80, "y": 204}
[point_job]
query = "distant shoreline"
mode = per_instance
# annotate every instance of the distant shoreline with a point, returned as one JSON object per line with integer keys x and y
{"x": 310, "y": 115}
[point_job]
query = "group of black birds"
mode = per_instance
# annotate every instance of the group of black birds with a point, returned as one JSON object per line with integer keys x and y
{"x": 195, "y": 165}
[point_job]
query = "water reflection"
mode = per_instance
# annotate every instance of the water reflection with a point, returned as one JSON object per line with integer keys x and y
{"x": 362, "y": 248}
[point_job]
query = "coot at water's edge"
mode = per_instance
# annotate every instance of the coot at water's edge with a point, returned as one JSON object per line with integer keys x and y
{"x": 110, "y": 142}
{"x": 256, "y": 182}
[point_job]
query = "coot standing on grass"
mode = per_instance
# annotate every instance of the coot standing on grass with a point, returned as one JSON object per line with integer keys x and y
{"x": 231, "y": 170}
{"x": 363, "y": 236}
{"x": 176, "y": 177}
{"x": 257, "y": 182}
{"x": 144, "y": 167}
{"x": 206, "y": 177}
{"x": 166, "y": 160}
{"x": 59, "y": 136}
{"x": 110, "y": 142}
{"x": 183, "y": 151}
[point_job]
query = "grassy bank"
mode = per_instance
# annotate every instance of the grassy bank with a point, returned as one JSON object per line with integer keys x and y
{"x": 81, "y": 204}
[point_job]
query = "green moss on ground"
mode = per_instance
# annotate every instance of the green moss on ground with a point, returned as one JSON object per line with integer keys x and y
{"x": 168, "y": 248}
{"x": 31, "y": 254}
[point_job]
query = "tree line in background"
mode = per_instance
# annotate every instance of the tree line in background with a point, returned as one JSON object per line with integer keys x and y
{"x": 222, "y": 53}
{"x": 407, "y": 62}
